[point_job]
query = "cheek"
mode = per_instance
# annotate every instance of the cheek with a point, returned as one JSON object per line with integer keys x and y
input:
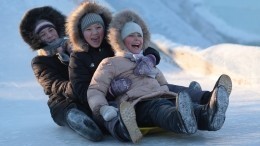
{"x": 57, "y": 35}
{"x": 101, "y": 33}
{"x": 141, "y": 39}
{"x": 44, "y": 39}
{"x": 127, "y": 41}
{"x": 86, "y": 35}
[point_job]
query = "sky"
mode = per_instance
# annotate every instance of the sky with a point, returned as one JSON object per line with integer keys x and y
{"x": 233, "y": 11}
{"x": 195, "y": 43}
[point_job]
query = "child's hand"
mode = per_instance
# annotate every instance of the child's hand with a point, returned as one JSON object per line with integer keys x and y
{"x": 119, "y": 86}
{"x": 67, "y": 46}
{"x": 145, "y": 65}
{"x": 59, "y": 50}
{"x": 108, "y": 112}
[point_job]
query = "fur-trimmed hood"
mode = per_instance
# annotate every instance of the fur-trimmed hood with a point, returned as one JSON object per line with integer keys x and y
{"x": 30, "y": 19}
{"x": 116, "y": 25}
{"x": 73, "y": 26}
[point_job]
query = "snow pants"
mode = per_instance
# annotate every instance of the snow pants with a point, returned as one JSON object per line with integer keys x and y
{"x": 200, "y": 97}
{"x": 158, "y": 112}
{"x": 59, "y": 105}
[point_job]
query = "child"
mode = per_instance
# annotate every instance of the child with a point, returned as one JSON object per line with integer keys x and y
{"x": 148, "y": 94}
{"x": 128, "y": 47}
{"x": 43, "y": 28}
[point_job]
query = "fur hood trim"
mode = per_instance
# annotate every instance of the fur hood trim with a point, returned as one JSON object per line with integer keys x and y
{"x": 73, "y": 26}
{"x": 114, "y": 33}
{"x": 32, "y": 16}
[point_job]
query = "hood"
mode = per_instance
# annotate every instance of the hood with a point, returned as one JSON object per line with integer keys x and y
{"x": 30, "y": 18}
{"x": 73, "y": 25}
{"x": 116, "y": 25}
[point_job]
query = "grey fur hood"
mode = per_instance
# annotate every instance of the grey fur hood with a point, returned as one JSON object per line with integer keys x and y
{"x": 116, "y": 25}
{"x": 73, "y": 23}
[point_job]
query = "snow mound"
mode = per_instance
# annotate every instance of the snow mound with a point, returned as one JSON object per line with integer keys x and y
{"x": 240, "y": 62}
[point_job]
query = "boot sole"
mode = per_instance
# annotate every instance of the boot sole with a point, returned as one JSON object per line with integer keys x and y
{"x": 225, "y": 80}
{"x": 222, "y": 102}
{"x": 127, "y": 113}
{"x": 83, "y": 125}
{"x": 186, "y": 113}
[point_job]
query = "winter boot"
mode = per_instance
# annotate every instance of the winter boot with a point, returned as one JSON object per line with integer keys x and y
{"x": 195, "y": 86}
{"x": 128, "y": 117}
{"x": 212, "y": 115}
{"x": 195, "y": 92}
{"x": 185, "y": 113}
{"x": 225, "y": 81}
{"x": 83, "y": 125}
{"x": 117, "y": 129}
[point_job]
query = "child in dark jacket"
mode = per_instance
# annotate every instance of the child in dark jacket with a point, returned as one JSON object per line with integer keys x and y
{"x": 43, "y": 28}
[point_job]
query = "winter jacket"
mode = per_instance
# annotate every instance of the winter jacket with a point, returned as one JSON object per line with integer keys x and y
{"x": 53, "y": 76}
{"x": 143, "y": 87}
{"x": 49, "y": 71}
{"x": 85, "y": 59}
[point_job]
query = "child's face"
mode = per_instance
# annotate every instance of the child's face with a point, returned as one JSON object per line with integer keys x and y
{"x": 94, "y": 35}
{"x": 134, "y": 42}
{"x": 48, "y": 35}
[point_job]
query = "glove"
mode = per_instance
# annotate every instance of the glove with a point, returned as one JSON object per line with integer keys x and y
{"x": 119, "y": 86}
{"x": 108, "y": 112}
{"x": 63, "y": 56}
{"x": 145, "y": 65}
{"x": 66, "y": 45}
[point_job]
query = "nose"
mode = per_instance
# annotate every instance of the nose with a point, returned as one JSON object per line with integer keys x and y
{"x": 136, "y": 37}
{"x": 49, "y": 35}
{"x": 94, "y": 31}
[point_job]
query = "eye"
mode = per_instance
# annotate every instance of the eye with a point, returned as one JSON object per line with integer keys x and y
{"x": 131, "y": 35}
{"x": 42, "y": 35}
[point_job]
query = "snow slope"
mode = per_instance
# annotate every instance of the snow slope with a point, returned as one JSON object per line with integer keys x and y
{"x": 194, "y": 45}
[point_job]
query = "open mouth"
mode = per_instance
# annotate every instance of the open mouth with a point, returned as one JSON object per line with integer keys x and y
{"x": 95, "y": 39}
{"x": 136, "y": 46}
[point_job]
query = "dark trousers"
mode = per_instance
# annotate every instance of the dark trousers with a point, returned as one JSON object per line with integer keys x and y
{"x": 200, "y": 97}
{"x": 59, "y": 105}
{"x": 158, "y": 112}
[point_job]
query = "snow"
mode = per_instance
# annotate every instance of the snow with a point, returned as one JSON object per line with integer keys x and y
{"x": 194, "y": 45}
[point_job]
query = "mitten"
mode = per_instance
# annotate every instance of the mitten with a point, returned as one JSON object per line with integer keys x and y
{"x": 145, "y": 65}
{"x": 64, "y": 58}
{"x": 108, "y": 112}
{"x": 66, "y": 45}
{"x": 119, "y": 86}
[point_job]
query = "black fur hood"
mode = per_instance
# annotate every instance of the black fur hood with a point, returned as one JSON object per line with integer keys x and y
{"x": 30, "y": 18}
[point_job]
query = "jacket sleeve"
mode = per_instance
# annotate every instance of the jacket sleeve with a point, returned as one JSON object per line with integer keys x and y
{"x": 51, "y": 79}
{"x": 154, "y": 52}
{"x": 99, "y": 86}
{"x": 80, "y": 76}
{"x": 160, "y": 78}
